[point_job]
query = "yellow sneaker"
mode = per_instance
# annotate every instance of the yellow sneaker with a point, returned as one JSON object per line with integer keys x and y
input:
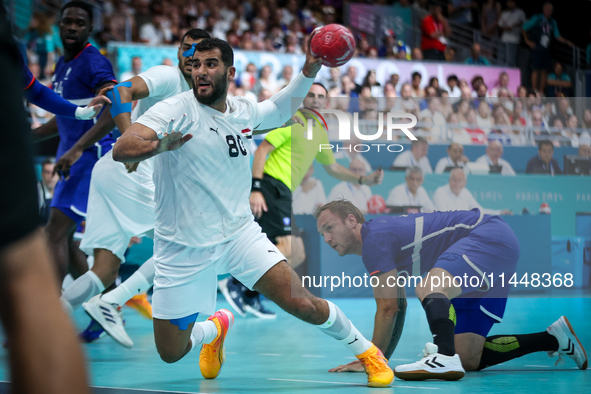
{"x": 212, "y": 355}
{"x": 379, "y": 374}
{"x": 141, "y": 304}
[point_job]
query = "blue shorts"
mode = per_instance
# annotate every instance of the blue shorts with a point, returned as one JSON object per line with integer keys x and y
{"x": 71, "y": 196}
{"x": 490, "y": 248}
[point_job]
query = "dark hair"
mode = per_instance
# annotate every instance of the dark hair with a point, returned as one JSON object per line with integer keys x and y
{"x": 545, "y": 142}
{"x": 342, "y": 208}
{"x": 79, "y": 4}
{"x": 46, "y": 162}
{"x": 322, "y": 86}
{"x": 225, "y": 48}
{"x": 433, "y": 79}
{"x": 196, "y": 34}
{"x": 419, "y": 140}
{"x": 415, "y": 74}
{"x": 452, "y": 77}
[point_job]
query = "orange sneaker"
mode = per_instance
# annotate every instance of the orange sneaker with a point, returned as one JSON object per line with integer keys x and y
{"x": 141, "y": 304}
{"x": 212, "y": 355}
{"x": 379, "y": 374}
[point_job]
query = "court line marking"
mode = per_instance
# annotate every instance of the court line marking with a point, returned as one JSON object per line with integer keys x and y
{"x": 270, "y": 354}
{"x": 124, "y": 388}
{"x": 312, "y": 355}
{"x": 538, "y": 366}
{"x": 351, "y": 384}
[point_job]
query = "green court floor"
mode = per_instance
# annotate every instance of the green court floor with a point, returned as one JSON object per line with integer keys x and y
{"x": 287, "y": 356}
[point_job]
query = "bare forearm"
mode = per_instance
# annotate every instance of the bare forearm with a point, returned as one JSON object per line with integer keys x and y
{"x": 102, "y": 127}
{"x": 258, "y": 164}
{"x": 46, "y": 131}
{"x": 131, "y": 148}
{"x": 341, "y": 173}
{"x": 382, "y": 331}
{"x": 398, "y": 325}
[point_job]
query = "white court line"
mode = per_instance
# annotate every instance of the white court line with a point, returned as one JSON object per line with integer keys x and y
{"x": 351, "y": 384}
{"x": 539, "y": 366}
{"x": 151, "y": 391}
{"x": 269, "y": 354}
{"x": 311, "y": 355}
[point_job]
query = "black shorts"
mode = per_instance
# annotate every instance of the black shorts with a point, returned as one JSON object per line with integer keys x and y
{"x": 19, "y": 211}
{"x": 277, "y": 221}
{"x": 541, "y": 59}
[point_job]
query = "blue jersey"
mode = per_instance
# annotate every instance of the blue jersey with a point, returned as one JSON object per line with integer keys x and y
{"x": 413, "y": 243}
{"x": 77, "y": 81}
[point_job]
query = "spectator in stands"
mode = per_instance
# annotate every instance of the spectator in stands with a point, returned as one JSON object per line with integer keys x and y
{"x": 40, "y": 41}
{"x": 562, "y": 109}
{"x": 154, "y": 33}
{"x": 402, "y": 51}
{"x": 455, "y": 197}
{"x": 493, "y": 156}
{"x": 587, "y": 118}
{"x": 309, "y": 194}
{"x": 350, "y": 153}
{"x": 417, "y": 54}
{"x": 362, "y": 46}
{"x": 286, "y": 76}
{"x": 446, "y": 108}
{"x": 352, "y": 73}
{"x": 136, "y": 69}
{"x": 456, "y": 132}
{"x": 437, "y": 132}
{"x": 416, "y": 85}
{"x": 455, "y": 158}
{"x": 371, "y": 81}
{"x": 538, "y": 125}
{"x": 417, "y": 156}
{"x": 569, "y": 132}
{"x": 491, "y": 13}
{"x": 452, "y": 86}
{"x": 167, "y": 62}
{"x": 503, "y": 84}
{"x": 389, "y": 42}
{"x": 266, "y": 81}
{"x": 501, "y": 130}
{"x": 421, "y": 8}
{"x": 334, "y": 80}
{"x": 558, "y": 83}
{"x": 522, "y": 92}
{"x": 476, "y": 58}
{"x": 543, "y": 162}
{"x": 510, "y": 23}
{"x": 45, "y": 189}
{"x": 584, "y": 150}
{"x": 484, "y": 118}
{"x": 434, "y": 30}
{"x": 538, "y": 33}
{"x": 460, "y": 11}
{"x": 358, "y": 194}
{"x": 411, "y": 192}
{"x": 476, "y": 133}
{"x": 394, "y": 79}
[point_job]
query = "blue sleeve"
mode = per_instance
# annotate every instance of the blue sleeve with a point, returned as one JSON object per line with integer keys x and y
{"x": 101, "y": 72}
{"x": 485, "y": 61}
{"x": 556, "y": 33}
{"x": 530, "y": 23}
{"x": 49, "y": 100}
{"x": 565, "y": 77}
{"x": 377, "y": 254}
{"x": 27, "y": 77}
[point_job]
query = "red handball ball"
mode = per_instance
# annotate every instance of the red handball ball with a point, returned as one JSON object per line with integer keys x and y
{"x": 334, "y": 43}
{"x": 376, "y": 204}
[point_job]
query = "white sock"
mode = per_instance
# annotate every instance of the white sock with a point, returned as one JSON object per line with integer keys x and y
{"x": 82, "y": 290}
{"x": 203, "y": 332}
{"x": 139, "y": 282}
{"x": 339, "y": 327}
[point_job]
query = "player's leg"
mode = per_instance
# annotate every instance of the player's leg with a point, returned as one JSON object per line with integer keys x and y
{"x": 59, "y": 231}
{"x": 78, "y": 260}
{"x": 293, "y": 249}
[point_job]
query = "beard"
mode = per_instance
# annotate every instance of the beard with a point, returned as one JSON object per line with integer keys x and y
{"x": 219, "y": 87}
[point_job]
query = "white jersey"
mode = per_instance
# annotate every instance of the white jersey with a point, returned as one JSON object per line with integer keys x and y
{"x": 202, "y": 189}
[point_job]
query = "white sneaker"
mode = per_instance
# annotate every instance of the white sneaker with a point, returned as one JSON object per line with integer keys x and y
{"x": 432, "y": 366}
{"x": 568, "y": 343}
{"x": 109, "y": 317}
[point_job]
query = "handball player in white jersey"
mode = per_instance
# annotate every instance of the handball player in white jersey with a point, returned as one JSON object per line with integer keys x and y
{"x": 121, "y": 203}
{"x": 204, "y": 225}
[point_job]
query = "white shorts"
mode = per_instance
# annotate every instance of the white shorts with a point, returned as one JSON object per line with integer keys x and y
{"x": 186, "y": 277}
{"x": 120, "y": 206}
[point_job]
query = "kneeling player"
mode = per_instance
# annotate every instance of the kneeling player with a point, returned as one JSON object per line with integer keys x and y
{"x": 443, "y": 245}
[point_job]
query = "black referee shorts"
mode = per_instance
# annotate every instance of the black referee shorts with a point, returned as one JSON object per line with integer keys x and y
{"x": 19, "y": 213}
{"x": 277, "y": 221}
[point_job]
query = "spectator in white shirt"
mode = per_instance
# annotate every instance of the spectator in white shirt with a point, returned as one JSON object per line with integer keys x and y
{"x": 455, "y": 158}
{"x": 455, "y": 197}
{"x": 417, "y": 156}
{"x": 136, "y": 69}
{"x": 358, "y": 194}
{"x": 411, "y": 193}
{"x": 154, "y": 33}
{"x": 348, "y": 152}
{"x": 494, "y": 151}
{"x": 510, "y": 23}
{"x": 309, "y": 195}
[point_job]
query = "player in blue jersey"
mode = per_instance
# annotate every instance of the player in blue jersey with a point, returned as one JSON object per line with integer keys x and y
{"x": 79, "y": 75}
{"x": 442, "y": 245}
{"x": 43, "y": 97}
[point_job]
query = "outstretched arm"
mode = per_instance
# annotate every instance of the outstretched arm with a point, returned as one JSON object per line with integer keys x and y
{"x": 336, "y": 170}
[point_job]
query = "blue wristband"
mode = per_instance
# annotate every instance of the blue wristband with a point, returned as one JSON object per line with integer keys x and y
{"x": 117, "y": 107}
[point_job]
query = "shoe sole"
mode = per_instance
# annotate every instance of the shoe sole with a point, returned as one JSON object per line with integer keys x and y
{"x": 572, "y": 332}
{"x": 424, "y": 375}
{"x": 93, "y": 310}
{"x": 222, "y": 354}
{"x": 258, "y": 314}
{"x": 228, "y": 298}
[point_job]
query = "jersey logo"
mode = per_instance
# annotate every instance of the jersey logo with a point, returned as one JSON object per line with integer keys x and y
{"x": 67, "y": 73}
{"x": 271, "y": 251}
{"x": 245, "y": 132}
{"x": 214, "y": 130}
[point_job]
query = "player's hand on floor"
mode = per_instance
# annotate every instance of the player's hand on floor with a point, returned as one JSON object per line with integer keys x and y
{"x": 258, "y": 205}
{"x": 175, "y": 135}
{"x": 131, "y": 167}
{"x": 93, "y": 108}
{"x": 63, "y": 165}
{"x": 354, "y": 366}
